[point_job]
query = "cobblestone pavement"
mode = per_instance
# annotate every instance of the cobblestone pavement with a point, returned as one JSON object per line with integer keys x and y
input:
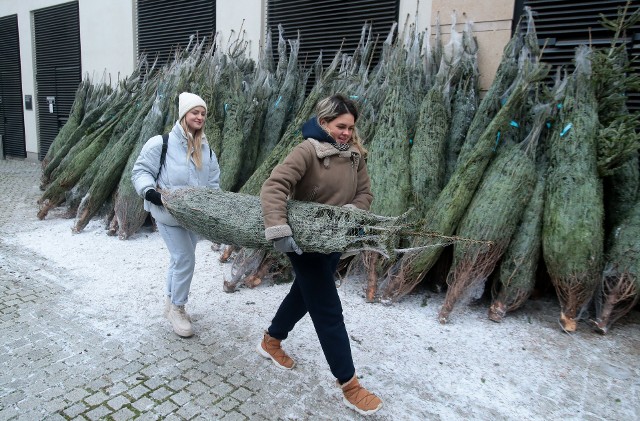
{"x": 55, "y": 368}
{"x": 55, "y": 365}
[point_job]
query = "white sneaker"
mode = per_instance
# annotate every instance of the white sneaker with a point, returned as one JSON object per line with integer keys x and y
{"x": 180, "y": 321}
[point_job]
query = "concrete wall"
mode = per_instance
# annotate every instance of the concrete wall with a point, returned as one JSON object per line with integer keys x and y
{"x": 107, "y": 37}
{"x": 492, "y": 24}
{"x": 415, "y": 12}
{"x": 106, "y": 41}
{"x": 246, "y": 14}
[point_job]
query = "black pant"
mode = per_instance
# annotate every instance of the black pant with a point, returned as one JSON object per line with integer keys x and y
{"x": 314, "y": 291}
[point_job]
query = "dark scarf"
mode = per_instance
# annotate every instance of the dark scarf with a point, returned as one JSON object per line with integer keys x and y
{"x": 313, "y": 130}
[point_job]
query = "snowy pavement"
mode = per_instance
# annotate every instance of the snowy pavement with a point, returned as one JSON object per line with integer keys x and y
{"x": 83, "y": 337}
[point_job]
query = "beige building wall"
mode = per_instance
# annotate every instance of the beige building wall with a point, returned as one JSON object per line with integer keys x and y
{"x": 492, "y": 25}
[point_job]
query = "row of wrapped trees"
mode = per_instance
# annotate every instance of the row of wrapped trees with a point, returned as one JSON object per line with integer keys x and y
{"x": 467, "y": 190}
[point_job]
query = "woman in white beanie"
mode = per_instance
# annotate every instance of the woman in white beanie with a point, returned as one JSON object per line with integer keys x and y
{"x": 188, "y": 161}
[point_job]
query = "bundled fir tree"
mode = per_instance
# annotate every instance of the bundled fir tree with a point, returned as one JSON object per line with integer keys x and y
{"x": 619, "y": 289}
{"x": 129, "y": 214}
{"x": 388, "y": 156}
{"x": 572, "y": 236}
{"x": 317, "y": 228}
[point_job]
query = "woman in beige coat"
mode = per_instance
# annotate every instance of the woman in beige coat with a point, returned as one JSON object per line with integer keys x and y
{"x": 328, "y": 167}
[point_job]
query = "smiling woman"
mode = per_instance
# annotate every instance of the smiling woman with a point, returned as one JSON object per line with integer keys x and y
{"x": 341, "y": 128}
{"x": 328, "y": 168}
{"x": 194, "y": 119}
{"x": 188, "y": 162}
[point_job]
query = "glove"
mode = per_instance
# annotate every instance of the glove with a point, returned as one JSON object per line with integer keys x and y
{"x": 154, "y": 197}
{"x": 286, "y": 245}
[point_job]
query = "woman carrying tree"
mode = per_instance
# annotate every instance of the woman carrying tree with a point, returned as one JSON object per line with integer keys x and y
{"x": 329, "y": 168}
{"x": 183, "y": 158}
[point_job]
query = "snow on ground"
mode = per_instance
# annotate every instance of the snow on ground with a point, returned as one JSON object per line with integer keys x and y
{"x": 523, "y": 368}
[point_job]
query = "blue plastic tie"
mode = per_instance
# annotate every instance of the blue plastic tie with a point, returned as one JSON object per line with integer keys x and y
{"x": 353, "y": 96}
{"x": 277, "y": 102}
{"x": 497, "y": 141}
{"x": 559, "y": 106}
{"x": 566, "y": 129}
{"x": 514, "y": 124}
{"x": 410, "y": 141}
{"x": 548, "y": 124}
{"x": 226, "y": 107}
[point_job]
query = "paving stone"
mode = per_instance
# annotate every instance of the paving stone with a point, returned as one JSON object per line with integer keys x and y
{"x": 54, "y": 417}
{"x": 233, "y": 416}
{"x": 221, "y": 389}
{"x": 165, "y": 408}
{"x": 189, "y": 411}
{"x": 75, "y": 409}
{"x": 12, "y": 398}
{"x": 123, "y": 414}
{"x": 181, "y": 398}
{"x": 138, "y": 391}
{"x": 98, "y": 413}
{"x": 242, "y": 394}
{"x": 252, "y": 410}
{"x": 178, "y": 384}
{"x": 213, "y": 413}
{"x": 237, "y": 379}
{"x": 172, "y": 417}
{"x": 155, "y": 382}
{"x": 212, "y": 380}
{"x": 194, "y": 375}
{"x": 118, "y": 402}
{"x": 96, "y": 399}
{"x": 148, "y": 416}
{"x": 228, "y": 403}
{"x": 117, "y": 389}
{"x": 161, "y": 394}
{"x": 197, "y": 388}
{"x": 54, "y": 405}
{"x": 143, "y": 404}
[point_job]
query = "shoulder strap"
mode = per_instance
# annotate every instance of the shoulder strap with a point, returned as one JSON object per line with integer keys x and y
{"x": 163, "y": 154}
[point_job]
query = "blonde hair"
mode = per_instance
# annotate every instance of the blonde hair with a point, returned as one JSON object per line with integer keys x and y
{"x": 330, "y": 108}
{"x": 194, "y": 142}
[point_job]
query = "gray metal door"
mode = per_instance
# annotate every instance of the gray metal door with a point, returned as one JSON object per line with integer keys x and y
{"x": 328, "y": 25}
{"x": 562, "y": 25}
{"x": 164, "y": 26}
{"x": 58, "y": 72}
{"x": 11, "y": 112}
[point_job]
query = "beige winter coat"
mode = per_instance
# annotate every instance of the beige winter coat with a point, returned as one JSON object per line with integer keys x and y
{"x": 315, "y": 172}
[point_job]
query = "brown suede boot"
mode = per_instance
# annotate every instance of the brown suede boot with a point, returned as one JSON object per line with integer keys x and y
{"x": 270, "y": 348}
{"x": 358, "y": 398}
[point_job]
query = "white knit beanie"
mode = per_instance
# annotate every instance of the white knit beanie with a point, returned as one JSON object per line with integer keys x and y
{"x": 187, "y": 101}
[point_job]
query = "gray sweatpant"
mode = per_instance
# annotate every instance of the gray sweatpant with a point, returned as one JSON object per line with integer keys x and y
{"x": 181, "y": 244}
